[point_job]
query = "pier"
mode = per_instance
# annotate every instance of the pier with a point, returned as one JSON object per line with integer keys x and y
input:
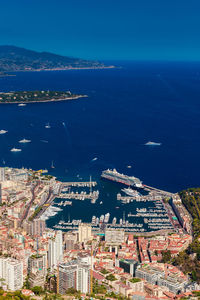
{"x": 164, "y": 193}
{"x": 79, "y": 184}
{"x": 150, "y": 197}
{"x": 93, "y": 196}
{"x": 128, "y": 199}
{"x": 153, "y": 195}
{"x": 147, "y": 214}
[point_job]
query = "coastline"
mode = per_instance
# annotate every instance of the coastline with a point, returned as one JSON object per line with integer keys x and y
{"x": 74, "y": 68}
{"x": 49, "y": 100}
{"x": 64, "y": 69}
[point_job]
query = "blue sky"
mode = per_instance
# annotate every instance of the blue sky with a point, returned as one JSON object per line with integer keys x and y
{"x": 104, "y": 29}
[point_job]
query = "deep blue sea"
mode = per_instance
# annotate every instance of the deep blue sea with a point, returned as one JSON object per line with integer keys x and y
{"x": 126, "y": 107}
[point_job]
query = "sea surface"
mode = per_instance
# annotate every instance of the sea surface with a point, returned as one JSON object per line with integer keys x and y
{"x": 126, "y": 107}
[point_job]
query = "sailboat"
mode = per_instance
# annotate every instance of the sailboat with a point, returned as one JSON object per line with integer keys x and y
{"x": 52, "y": 165}
{"x": 47, "y": 126}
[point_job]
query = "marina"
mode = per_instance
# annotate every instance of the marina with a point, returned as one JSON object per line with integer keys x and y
{"x": 141, "y": 217}
{"x": 153, "y": 218}
{"x": 158, "y": 216}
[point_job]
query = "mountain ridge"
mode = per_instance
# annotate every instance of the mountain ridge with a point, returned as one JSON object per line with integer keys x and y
{"x": 13, "y": 58}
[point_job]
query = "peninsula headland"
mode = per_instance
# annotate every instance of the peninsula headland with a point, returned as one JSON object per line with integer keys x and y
{"x": 37, "y": 96}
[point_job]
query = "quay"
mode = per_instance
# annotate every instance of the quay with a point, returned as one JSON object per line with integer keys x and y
{"x": 164, "y": 193}
{"x": 79, "y": 184}
{"x": 135, "y": 228}
{"x": 153, "y": 195}
{"x": 71, "y": 226}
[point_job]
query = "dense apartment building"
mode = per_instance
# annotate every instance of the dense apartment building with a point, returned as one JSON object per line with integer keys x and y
{"x": 11, "y": 272}
{"x": 37, "y": 270}
{"x": 55, "y": 250}
{"x": 163, "y": 275}
{"x": 114, "y": 236}
{"x": 74, "y": 274}
{"x": 84, "y": 233}
{"x": 128, "y": 265}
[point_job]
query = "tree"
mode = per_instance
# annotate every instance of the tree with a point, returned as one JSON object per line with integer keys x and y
{"x": 38, "y": 290}
{"x": 26, "y": 284}
{"x": 72, "y": 291}
{"x": 166, "y": 256}
{"x": 111, "y": 277}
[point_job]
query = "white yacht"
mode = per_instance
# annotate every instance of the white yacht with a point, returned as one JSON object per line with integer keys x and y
{"x": 21, "y": 104}
{"x": 2, "y": 131}
{"x": 114, "y": 221}
{"x": 93, "y": 219}
{"x": 52, "y": 165}
{"x": 101, "y": 218}
{"x": 47, "y": 126}
{"x": 24, "y": 141}
{"x": 153, "y": 144}
{"x": 130, "y": 192}
{"x": 15, "y": 150}
{"x": 107, "y": 217}
{"x": 95, "y": 158}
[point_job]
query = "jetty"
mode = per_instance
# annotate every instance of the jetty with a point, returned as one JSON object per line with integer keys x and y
{"x": 93, "y": 196}
{"x": 158, "y": 191}
{"x": 79, "y": 184}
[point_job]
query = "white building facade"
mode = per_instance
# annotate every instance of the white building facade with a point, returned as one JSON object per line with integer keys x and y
{"x": 11, "y": 270}
{"x": 55, "y": 252}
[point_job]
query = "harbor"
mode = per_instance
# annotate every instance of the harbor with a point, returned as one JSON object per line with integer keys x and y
{"x": 151, "y": 213}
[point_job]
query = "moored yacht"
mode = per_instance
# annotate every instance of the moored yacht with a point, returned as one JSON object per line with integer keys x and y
{"x": 130, "y": 192}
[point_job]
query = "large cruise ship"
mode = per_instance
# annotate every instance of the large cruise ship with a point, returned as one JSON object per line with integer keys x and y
{"x": 121, "y": 178}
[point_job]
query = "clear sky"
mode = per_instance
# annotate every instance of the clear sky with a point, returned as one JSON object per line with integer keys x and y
{"x": 104, "y": 29}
